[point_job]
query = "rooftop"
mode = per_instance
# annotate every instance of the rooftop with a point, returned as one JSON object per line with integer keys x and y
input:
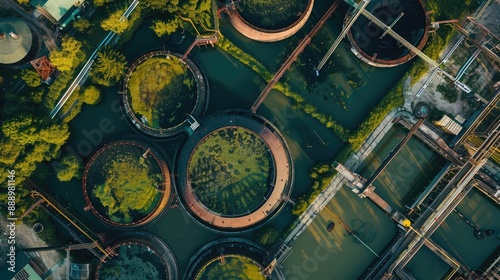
{"x": 56, "y": 8}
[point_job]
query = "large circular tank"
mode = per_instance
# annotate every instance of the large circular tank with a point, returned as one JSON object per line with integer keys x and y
{"x": 231, "y": 258}
{"x": 234, "y": 172}
{"x": 369, "y": 42}
{"x": 127, "y": 184}
{"x": 140, "y": 255}
{"x": 160, "y": 90}
{"x": 16, "y": 41}
{"x": 269, "y": 20}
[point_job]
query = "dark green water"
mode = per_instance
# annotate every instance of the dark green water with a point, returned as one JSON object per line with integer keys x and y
{"x": 457, "y": 237}
{"x": 234, "y": 86}
{"x": 348, "y": 258}
{"x": 410, "y": 171}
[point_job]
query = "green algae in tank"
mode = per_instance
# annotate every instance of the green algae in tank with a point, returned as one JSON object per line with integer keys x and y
{"x": 125, "y": 183}
{"x": 229, "y": 170}
{"x": 233, "y": 267}
{"x": 162, "y": 90}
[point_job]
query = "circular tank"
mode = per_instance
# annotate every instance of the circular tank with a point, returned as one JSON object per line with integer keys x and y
{"x": 126, "y": 184}
{"x": 160, "y": 90}
{"x": 16, "y": 41}
{"x": 375, "y": 46}
{"x": 269, "y": 24}
{"x": 140, "y": 255}
{"x": 234, "y": 172}
{"x": 231, "y": 258}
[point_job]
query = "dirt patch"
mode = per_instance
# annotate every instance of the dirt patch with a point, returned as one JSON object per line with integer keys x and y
{"x": 27, "y": 238}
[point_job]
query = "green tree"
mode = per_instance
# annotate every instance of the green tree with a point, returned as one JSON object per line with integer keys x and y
{"x": 161, "y": 5}
{"x": 81, "y": 24}
{"x": 31, "y": 139}
{"x": 31, "y": 78}
{"x": 267, "y": 235}
{"x": 70, "y": 167}
{"x": 162, "y": 28}
{"x": 99, "y": 3}
{"x": 192, "y": 9}
{"x": 69, "y": 55}
{"x": 109, "y": 67}
{"x": 114, "y": 23}
{"x": 91, "y": 95}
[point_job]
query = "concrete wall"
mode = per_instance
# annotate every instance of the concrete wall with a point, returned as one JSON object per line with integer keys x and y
{"x": 265, "y": 35}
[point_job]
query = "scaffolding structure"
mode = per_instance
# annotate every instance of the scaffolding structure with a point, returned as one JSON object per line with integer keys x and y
{"x": 43, "y": 66}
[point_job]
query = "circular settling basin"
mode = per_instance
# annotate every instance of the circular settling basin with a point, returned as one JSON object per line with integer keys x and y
{"x": 230, "y": 258}
{"x": 370, "y": 44}
{"x": 138, "y": 259}
{"x": 126, "y": 184}
{"x": 233, "y": 172}
{"x": 160, "y": 89}
{"x": 232, "y": 267}
{"x": 271, "y": 14}
{"x": 229, "y": 171}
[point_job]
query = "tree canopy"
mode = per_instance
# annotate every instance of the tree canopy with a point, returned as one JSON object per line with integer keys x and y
{"x": 109, "y": 67}
{"x": 31, "y": 78}
{"x": 70, "y": 167}
{"x": 267, "y": 235}
{"x": 91, "y": 95}
{"x": 27, "y": 140}
{"x": 81, "y": 24}
{"x": 162, "y": 28}
{"x": 99, "y": 3}
{"x": 114, "y": 24}
{"x": 69, "y": 55}
{"x": 192, "y": 9}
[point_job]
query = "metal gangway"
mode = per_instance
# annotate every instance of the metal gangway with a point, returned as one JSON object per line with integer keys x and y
{"x": 360, "y": 9}
{"x": 293, "y": 56}
{"x": 86, "y": 68}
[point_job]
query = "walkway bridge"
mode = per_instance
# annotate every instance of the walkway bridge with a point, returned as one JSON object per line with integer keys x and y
{"x": 205, "y": 39}
{"x": 202, "y": 41}
{"x": 359, "y": 186}
{"x": 360, "y": 9}
{"x": 394, "y": 152}
{"x": 486, "y": 41}
{"x": 433, "y": 140}
{"x": 293, "y": 56}
{"x": 36, "y": 192}
{"x": 428, "y": 222}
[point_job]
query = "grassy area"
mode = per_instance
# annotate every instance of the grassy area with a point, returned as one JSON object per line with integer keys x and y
{"x": 234, "y": 267}
{"x": 134, "y": 261}
{"x": 163, "y": 91}
{"x": 271, "y": 14}
{"x": 229, "y": 171}
{"x": 126, "y": 185}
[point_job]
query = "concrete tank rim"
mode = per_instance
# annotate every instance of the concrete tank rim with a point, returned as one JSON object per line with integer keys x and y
{"x": 269, "y": 35}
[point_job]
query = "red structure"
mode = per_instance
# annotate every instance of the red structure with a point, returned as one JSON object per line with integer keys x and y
{"x": 43, "y": 66}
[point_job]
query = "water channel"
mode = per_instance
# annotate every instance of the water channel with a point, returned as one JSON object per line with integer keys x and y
{"x": 318, "y": 253}
{"x": 414, "y": 166}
